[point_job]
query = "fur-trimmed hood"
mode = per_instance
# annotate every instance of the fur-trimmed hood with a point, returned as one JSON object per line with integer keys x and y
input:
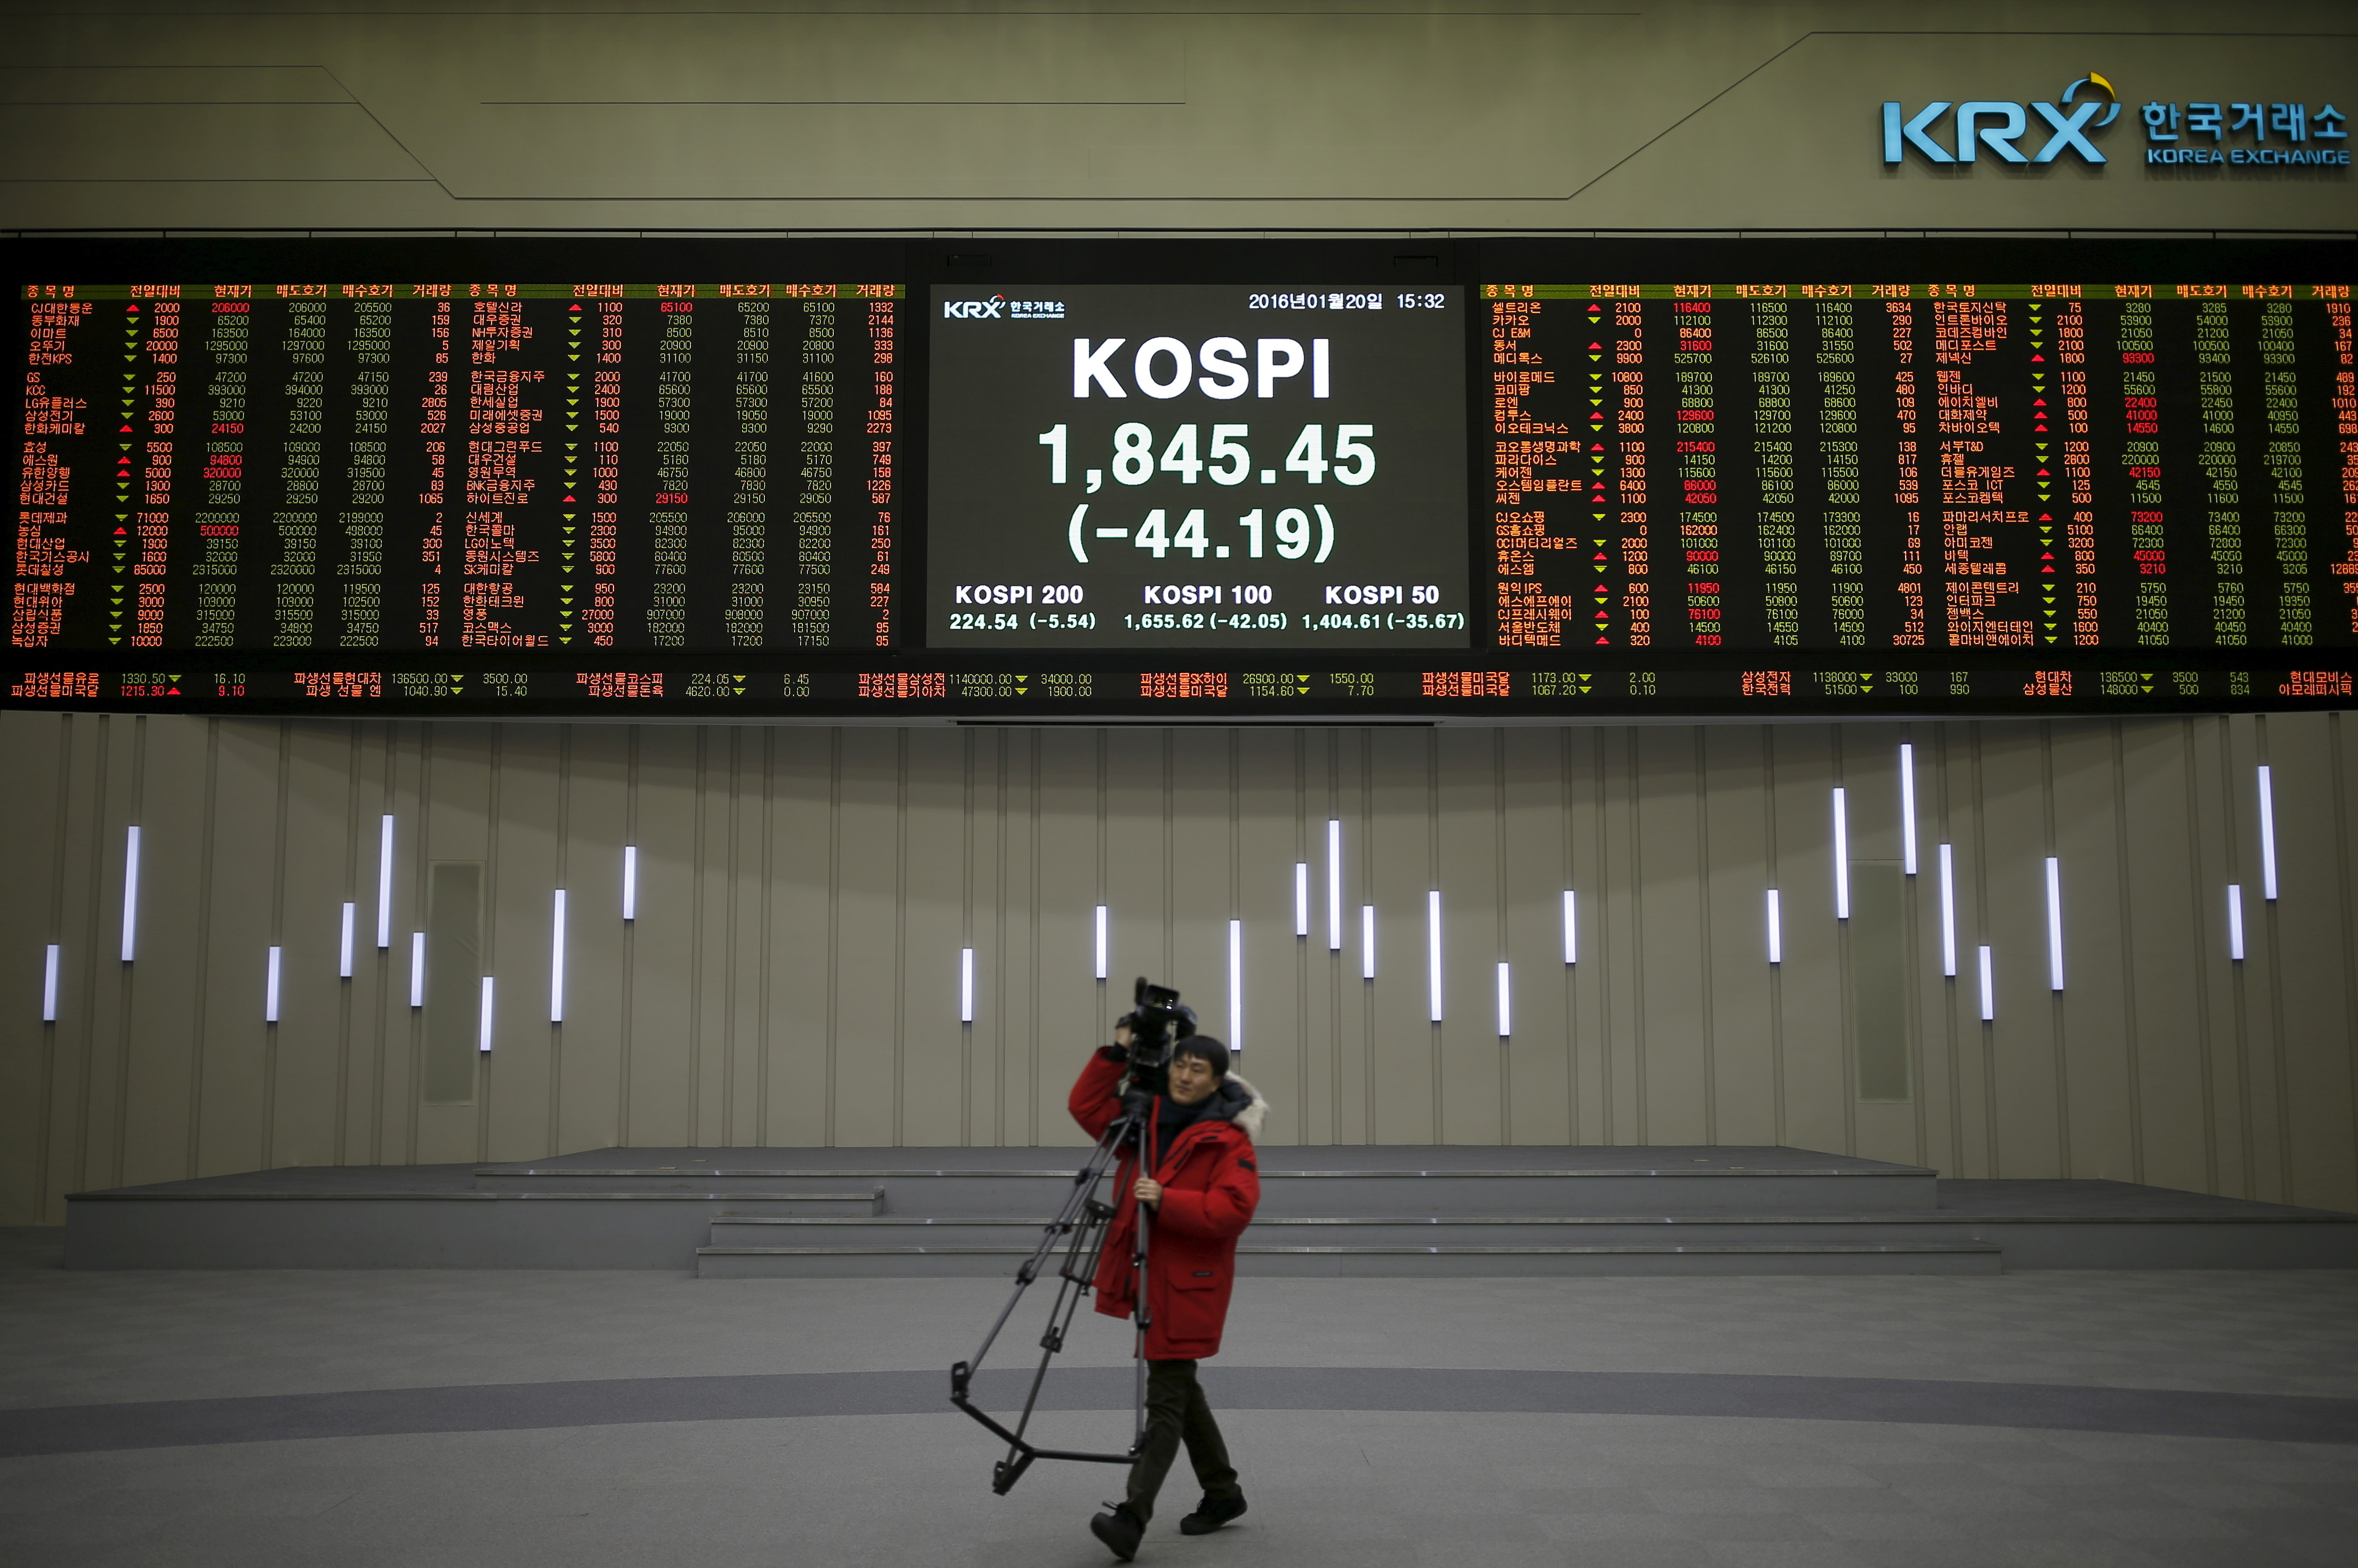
{"x": 1241, "y": 1103}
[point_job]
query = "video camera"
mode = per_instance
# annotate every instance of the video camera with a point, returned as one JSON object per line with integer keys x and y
{"x": 1157, "y": 1021}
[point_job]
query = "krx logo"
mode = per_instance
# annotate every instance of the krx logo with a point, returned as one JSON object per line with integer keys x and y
{"x": 991, "y": 309}
{"x": 1998, "y": 125}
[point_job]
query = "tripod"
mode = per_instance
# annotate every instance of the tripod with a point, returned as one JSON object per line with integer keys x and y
{"x": 1082, "y": 1225}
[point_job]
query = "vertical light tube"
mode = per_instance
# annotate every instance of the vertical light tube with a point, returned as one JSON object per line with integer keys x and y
{"x": 1333, "y": 884}
{"x": 1506, "y": 1002}
{"x": 384, "y": 882}
{"x": 417, "y": 968}
{"x": 483, "y": 1036}
{"x": 130, "y": 893}
{"x": 270, "y": 989}
{"x": 49, "y": 984}
{"x": 2268, "y": 841}
{"x": 344, "y": 946}
{"x": 966, "y": 985}
{"x": 1989, "y": 989}
{"x": 1432, "y": 950}
{"x": 1841, "y": 856}
{"x": 2054, "y": 924}
{"x": 1776, "y": 931}
{"x": 630, "y": 881}
{"x": 1907, "y": 810}
{"x": 1302, "y": 898}
{"x": 2234, "y": 922}
{"x": 1571, "y": 926}
{"x": 1103, "y": 944}
{"x": 1947, "y": 912}
{"x": 1237, "y": 986}
{"x": 1367, "y": 941}
{"x": 557, "y": 961}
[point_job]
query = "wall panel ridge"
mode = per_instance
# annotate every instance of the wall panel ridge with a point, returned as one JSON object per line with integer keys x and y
{"x": 792, "y": 973}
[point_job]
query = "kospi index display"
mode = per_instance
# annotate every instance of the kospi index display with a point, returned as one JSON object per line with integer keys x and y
{"x": 1146, "y": 465}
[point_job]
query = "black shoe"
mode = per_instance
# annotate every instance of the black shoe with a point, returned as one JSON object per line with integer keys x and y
{"x": 1119, "y": 1529}
{"x": 1211, "y": 1514}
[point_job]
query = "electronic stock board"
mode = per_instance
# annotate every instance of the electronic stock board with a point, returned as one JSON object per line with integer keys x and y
{"x": 1513, "y": 481}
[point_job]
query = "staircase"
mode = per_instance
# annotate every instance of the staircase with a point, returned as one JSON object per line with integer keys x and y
{"x": 1390, "y": 1211}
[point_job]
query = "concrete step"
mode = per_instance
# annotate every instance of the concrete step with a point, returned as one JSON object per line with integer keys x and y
{"x": 1307, "y": 1194}
{"x": 862, "y": 1186}
{"x": 1374, "y": 1261}
{"x": 831, "y": 1199}
{"x": 750, "y": 1230}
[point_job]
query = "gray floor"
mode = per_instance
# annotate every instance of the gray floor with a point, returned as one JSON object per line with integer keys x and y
{"x": 1369, "y": 1488}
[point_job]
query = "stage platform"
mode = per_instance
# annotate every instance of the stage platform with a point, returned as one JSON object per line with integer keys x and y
{"x": 1371, "y": 1211}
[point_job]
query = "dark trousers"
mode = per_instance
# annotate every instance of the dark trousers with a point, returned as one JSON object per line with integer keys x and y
{"x": 1177, "y": 1412}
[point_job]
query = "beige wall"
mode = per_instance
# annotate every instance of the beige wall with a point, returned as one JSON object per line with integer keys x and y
{"x": 960, "y": 115}
{"x": 791, "y": 975}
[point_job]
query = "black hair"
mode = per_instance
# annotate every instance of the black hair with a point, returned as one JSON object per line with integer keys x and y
{"x": 1214, "y": 1052}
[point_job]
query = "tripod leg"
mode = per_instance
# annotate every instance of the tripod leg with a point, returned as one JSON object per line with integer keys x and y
{"x": 1145, "y": 1322}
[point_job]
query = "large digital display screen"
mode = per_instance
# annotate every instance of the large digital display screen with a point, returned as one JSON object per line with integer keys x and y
{"x": 464, "y": 465}
{"x": 1513, "y": 480}
{"x": 1895, "y": 466}
{"x": 1197, "y": 466}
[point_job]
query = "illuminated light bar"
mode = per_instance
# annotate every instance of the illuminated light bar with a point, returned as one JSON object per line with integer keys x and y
{"x": 630, "y": 881}
{"x": 966, "y": 985}
{"x": 1506, "y": 1002}
{"x": 49, "y": 984}
{"x": 1236, "y": 987}
{"x": 130, "y": 893}
{"x": 1432, "y": 950}
{"x": 2267, "y": 840}
{"x": 1571, "y": 926}
{"x": 1776, "y": 930}
{"x": 1989, "y": 988}
{"x": 1947, "y": 912}
{"x": 384, "y": 885}
{"x": 1367, "y": 941}
{"x": 2234, "y": 922}
{"x": 557, "y": 961}
{"x": 344, "y": 943}
{"x": 483, "y": 1036}
{"x": 1334, "y": 885}
{"x": 1841, "y": 856}
{"x": 1302, "y": 898}
{"x": 1103, "y": 944}
{"x": 2054, "y": 924}
{"x": 270, "y": 989}
{"x": 417, "y": 968}
{"x": 1907, "y": 809}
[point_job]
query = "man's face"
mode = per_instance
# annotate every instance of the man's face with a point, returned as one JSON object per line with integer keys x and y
{"x": 1192, "y": 1078}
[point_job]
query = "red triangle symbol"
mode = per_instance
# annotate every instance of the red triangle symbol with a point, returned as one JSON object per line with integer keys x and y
{"x": 2048, "y": 556}
{"x": 2046, "y": 569}
{"x": 1600, "y": 639}
{"x": 1596, "y": 345}
{"x": 119, "y": 533}
{"x": 2039, "y": 403}
{"x": 126, "y": 430}
{"x": 2039, "y": 359}
{"x": 1599, "y": 447}
{"x": 2043, "y": 518}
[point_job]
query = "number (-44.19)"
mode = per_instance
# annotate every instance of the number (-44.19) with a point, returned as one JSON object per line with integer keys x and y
{"x": 1292, "y": 527}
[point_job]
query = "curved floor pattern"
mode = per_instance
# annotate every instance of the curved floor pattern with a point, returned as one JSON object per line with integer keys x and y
{"x": 507, "y": 1406}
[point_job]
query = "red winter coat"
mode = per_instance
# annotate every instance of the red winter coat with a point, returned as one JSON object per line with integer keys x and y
{"x": 1210, "y": 1188}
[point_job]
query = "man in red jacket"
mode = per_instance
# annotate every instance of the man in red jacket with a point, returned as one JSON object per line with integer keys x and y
{"x": 1197, "y": 1181}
